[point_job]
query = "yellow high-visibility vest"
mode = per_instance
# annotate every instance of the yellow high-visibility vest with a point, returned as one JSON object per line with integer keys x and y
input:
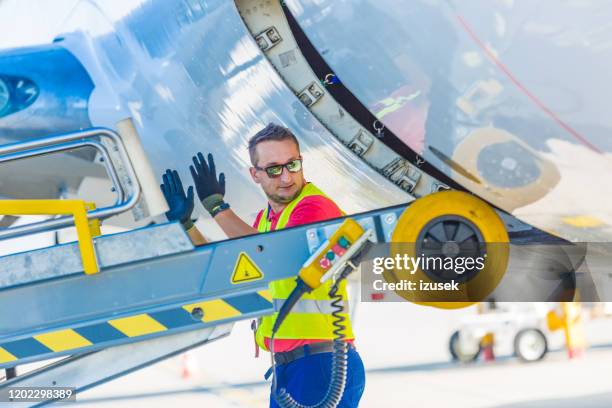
{"x": 311, "y": 317}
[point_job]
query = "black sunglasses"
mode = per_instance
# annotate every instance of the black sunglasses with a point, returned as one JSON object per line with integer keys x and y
{"x": 275, "y": 171}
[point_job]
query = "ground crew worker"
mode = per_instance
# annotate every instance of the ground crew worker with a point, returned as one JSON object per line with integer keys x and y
{"x": 303, "y": 343}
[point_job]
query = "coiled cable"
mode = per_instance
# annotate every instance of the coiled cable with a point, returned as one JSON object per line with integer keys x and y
{"x": 339, "y": 366}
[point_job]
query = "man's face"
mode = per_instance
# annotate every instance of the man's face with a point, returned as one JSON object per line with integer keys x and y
{"x": 284, "y": 188}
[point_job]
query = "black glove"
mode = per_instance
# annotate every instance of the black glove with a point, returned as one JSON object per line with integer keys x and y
{"x": 181, "y": 205}
{"x": 210, "y": 190}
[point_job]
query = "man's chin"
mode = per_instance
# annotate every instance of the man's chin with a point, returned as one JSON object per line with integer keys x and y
{"x": 283, "y": 199}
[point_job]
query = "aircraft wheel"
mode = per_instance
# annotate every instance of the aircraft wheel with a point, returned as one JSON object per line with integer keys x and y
{"x": 445, "y": 229}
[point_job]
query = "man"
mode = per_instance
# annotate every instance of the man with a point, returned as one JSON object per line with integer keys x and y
{"x": 303, "y": 343}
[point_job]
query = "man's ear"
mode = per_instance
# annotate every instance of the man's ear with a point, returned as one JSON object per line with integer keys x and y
{"x": 254, "y": 175}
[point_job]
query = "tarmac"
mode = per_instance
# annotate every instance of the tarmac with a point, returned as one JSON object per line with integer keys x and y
{"x": 405, "y": 350}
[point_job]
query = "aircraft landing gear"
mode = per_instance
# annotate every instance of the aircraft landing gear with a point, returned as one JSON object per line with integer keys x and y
{"x": 445, "y": 229}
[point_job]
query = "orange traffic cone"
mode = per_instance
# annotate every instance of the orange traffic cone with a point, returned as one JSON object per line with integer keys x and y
{"x": 189, "y": 365}
{"x": 487, "y": 343}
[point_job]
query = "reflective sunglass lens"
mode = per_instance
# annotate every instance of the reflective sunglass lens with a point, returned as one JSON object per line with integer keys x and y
{"x": 274, "y": 171}
{"x": 294, "y": 166}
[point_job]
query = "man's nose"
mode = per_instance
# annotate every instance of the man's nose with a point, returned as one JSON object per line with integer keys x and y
{"x": 285, "y": 175}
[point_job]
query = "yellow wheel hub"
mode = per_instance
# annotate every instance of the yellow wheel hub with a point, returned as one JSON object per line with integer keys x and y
{"x": 458, "y": 224}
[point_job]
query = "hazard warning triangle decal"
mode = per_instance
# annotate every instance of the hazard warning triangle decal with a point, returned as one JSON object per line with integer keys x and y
{"x": 245, "y": 270}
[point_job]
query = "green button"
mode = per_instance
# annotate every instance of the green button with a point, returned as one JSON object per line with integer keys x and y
{"x": 343, "y": 242}
{"x": 330, "y": 255}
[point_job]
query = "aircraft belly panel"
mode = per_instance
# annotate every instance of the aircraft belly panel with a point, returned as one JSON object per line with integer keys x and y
{"x": 193, "y": 79}
{"x": 200, "y": 83}
{"x": 486, "y": 93}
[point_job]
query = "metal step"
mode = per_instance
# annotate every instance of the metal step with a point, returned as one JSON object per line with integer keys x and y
{"x": 111, "y": 250}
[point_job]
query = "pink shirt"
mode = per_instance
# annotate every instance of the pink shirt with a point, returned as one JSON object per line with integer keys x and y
{"x": 310, "y": 209}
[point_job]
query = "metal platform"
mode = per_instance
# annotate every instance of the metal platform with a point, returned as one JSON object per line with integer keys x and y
{"x": 152, "y": 283}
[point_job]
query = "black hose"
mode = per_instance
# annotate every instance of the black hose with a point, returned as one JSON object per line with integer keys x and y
{"x": 296, "y": 294}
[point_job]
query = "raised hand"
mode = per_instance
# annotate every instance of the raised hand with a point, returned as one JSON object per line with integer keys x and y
{"x": 181, "y": 204}
{"x": 210, "y": 189}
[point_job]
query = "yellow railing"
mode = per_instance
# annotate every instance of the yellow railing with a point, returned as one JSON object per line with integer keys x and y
{"x": 86, "y": 229}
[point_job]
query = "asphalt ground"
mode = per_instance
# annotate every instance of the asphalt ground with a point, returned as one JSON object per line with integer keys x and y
{"x": 404, "y": 348}
{"x": 507, "y": 383}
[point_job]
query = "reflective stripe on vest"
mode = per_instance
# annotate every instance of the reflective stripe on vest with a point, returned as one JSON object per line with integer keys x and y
{"x": 311, "y": 306}
{"x": 311, "y": 317}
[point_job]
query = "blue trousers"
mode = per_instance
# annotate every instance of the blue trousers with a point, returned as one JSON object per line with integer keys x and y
{"x": 307, "y": 379}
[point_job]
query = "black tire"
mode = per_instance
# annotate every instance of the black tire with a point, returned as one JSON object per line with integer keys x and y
{"x": 530, "y": 345}
{"x": 458, "y": 355}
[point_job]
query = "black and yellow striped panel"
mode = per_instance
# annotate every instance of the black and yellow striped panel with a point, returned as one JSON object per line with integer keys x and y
{"x": 211, "y": 311}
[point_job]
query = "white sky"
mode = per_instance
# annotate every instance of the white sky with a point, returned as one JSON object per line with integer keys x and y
{"x": 28, "y": 22}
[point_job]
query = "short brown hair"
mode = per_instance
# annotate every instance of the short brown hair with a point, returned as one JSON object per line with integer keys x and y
{"x": 270, "y": 132}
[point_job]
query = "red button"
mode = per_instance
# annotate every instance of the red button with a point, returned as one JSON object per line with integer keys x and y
{"x": 325, "y": 263}
{"x": 338, "y": 250}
